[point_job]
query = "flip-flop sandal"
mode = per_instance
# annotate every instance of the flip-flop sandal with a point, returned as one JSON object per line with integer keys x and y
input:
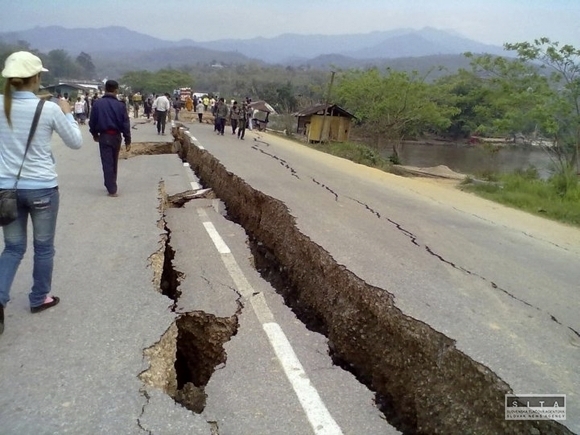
{"x": 40, "y": 308}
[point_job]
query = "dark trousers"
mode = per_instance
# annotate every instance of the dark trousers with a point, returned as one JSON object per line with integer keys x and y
{"x": 109, "y": 146}
{"x": 234, "y": 123}
{"x": 221, "y": 125}
{"x": 242, "y": 129}
{"x": 200, "y": 116}
{"x": 161, "y": 118}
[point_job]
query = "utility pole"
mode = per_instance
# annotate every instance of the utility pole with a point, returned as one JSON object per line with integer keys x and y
{"x": 325, "y": 109}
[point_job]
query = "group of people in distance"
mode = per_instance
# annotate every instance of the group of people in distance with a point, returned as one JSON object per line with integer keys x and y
{"x": 240, "y": 116}
{"x": 160, "y": 106}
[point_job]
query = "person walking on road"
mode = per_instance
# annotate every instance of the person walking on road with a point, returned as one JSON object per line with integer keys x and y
{"x": 200, "y": 109}
{"x": 221, "y": 113}
{"x": 35, "y": 173}
{"x": 177, "y": 107}
{"x": 188, "y": 104}
{"x": 249, "y": 115}
{"x": 234, "y": 116}
{"x": 80, "y": 111}
{"x": 242, "y": 121}
{"x": 109, "y": 120}
{"x": 161, "y": 106}
{"x": 147, "y": 107}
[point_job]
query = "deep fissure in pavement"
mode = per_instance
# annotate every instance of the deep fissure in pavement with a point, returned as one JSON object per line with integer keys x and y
{"x": 200, "y": 349}
{"x": 147, "y": 149}
{"x": 424, "y": 384}
{"x": 184, "y": 359}
{"x": 170, "y": 277}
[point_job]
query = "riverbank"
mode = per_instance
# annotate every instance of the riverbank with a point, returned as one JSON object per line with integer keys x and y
{"x": 557, "y": 198}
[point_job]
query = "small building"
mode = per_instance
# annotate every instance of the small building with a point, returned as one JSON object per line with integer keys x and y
{"x": 324, "y": 122}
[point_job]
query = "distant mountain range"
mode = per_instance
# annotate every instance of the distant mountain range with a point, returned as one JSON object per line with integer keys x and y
{"x": 287, "y": 49}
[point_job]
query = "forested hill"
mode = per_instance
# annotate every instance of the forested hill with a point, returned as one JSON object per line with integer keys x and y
{"x": 283, "y": 49}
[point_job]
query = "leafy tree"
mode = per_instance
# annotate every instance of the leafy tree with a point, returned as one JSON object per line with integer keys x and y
{"x": 165, "y": 80}
{"x": 563, "y": 119}
{"x": 393, "y": 106}
{"x": 515, "y": 96}
{"x": 86, "y": 63}
{"x": 60, "y": 64}
{"x": 466, "y": 92}
{"x": 538, "y": 93}
{"x": 281, "y": 96}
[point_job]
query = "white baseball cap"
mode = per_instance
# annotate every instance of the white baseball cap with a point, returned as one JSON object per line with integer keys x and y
{"x": 22, "y": 64}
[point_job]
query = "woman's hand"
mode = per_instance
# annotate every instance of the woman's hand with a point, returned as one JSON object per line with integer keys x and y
{"x": 64, "y": 106}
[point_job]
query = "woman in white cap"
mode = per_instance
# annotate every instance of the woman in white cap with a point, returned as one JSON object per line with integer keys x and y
{"x": 37, "y": 187}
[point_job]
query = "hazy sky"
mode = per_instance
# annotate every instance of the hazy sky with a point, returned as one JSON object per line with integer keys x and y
{"x": 489, "y": 21}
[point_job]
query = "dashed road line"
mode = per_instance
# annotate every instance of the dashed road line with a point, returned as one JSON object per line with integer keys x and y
{"x": 192, "y": 180}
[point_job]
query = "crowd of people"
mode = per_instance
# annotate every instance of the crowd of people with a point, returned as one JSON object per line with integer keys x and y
{"x": 162, "y": 108}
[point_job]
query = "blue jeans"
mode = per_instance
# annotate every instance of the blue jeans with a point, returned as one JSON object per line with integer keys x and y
{"x": 42, "y": 206}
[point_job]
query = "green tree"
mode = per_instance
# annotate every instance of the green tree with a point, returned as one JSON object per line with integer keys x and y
{"x": 165, "y": 80}
{"x": 85, "y": 61}
{"x": 562, "y": 120}
{"x": 393, "y": 106}
{"x": 466, "y": 92}
{"x": 61, "y": 66}
{"x": 538, "y": 94}
{"x": 515, "y": 96}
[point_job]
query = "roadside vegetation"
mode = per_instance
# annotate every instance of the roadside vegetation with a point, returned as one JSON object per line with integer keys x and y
{"x": 356, "y": 152}
{"x": 554, "y": 198}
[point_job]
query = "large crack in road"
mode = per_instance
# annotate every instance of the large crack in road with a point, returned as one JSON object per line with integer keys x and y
{"x": 423, "y": 383}
{"x": 182, "y": 362}
{"x": 413, "y": 238}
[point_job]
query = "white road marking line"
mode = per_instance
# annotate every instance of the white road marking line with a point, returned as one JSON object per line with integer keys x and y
{"x": 216, "y": 238}
{"x": 191, "y": 177}
{"x": 318, "y": 415}
{"x": 190, "y": 135}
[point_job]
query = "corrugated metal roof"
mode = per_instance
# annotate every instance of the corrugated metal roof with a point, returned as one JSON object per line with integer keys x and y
{"x": 319, "y": 108}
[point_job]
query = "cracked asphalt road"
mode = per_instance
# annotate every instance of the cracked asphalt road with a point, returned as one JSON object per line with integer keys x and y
{"x": 501, "y": 283}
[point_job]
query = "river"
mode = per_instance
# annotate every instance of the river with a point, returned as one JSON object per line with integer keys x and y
{"x": 474, "y": 159}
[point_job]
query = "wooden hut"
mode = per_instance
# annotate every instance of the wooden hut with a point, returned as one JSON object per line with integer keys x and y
{"x": 324, "y": 122}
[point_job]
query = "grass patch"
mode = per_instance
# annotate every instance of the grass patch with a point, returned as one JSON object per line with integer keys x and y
{"x": 526, "y": 192}
{"x": 357, "y": 153}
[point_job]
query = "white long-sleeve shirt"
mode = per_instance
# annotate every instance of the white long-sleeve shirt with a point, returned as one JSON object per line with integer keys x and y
{"x": 39, "y": 170}
{"x": 161, "y": 103}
